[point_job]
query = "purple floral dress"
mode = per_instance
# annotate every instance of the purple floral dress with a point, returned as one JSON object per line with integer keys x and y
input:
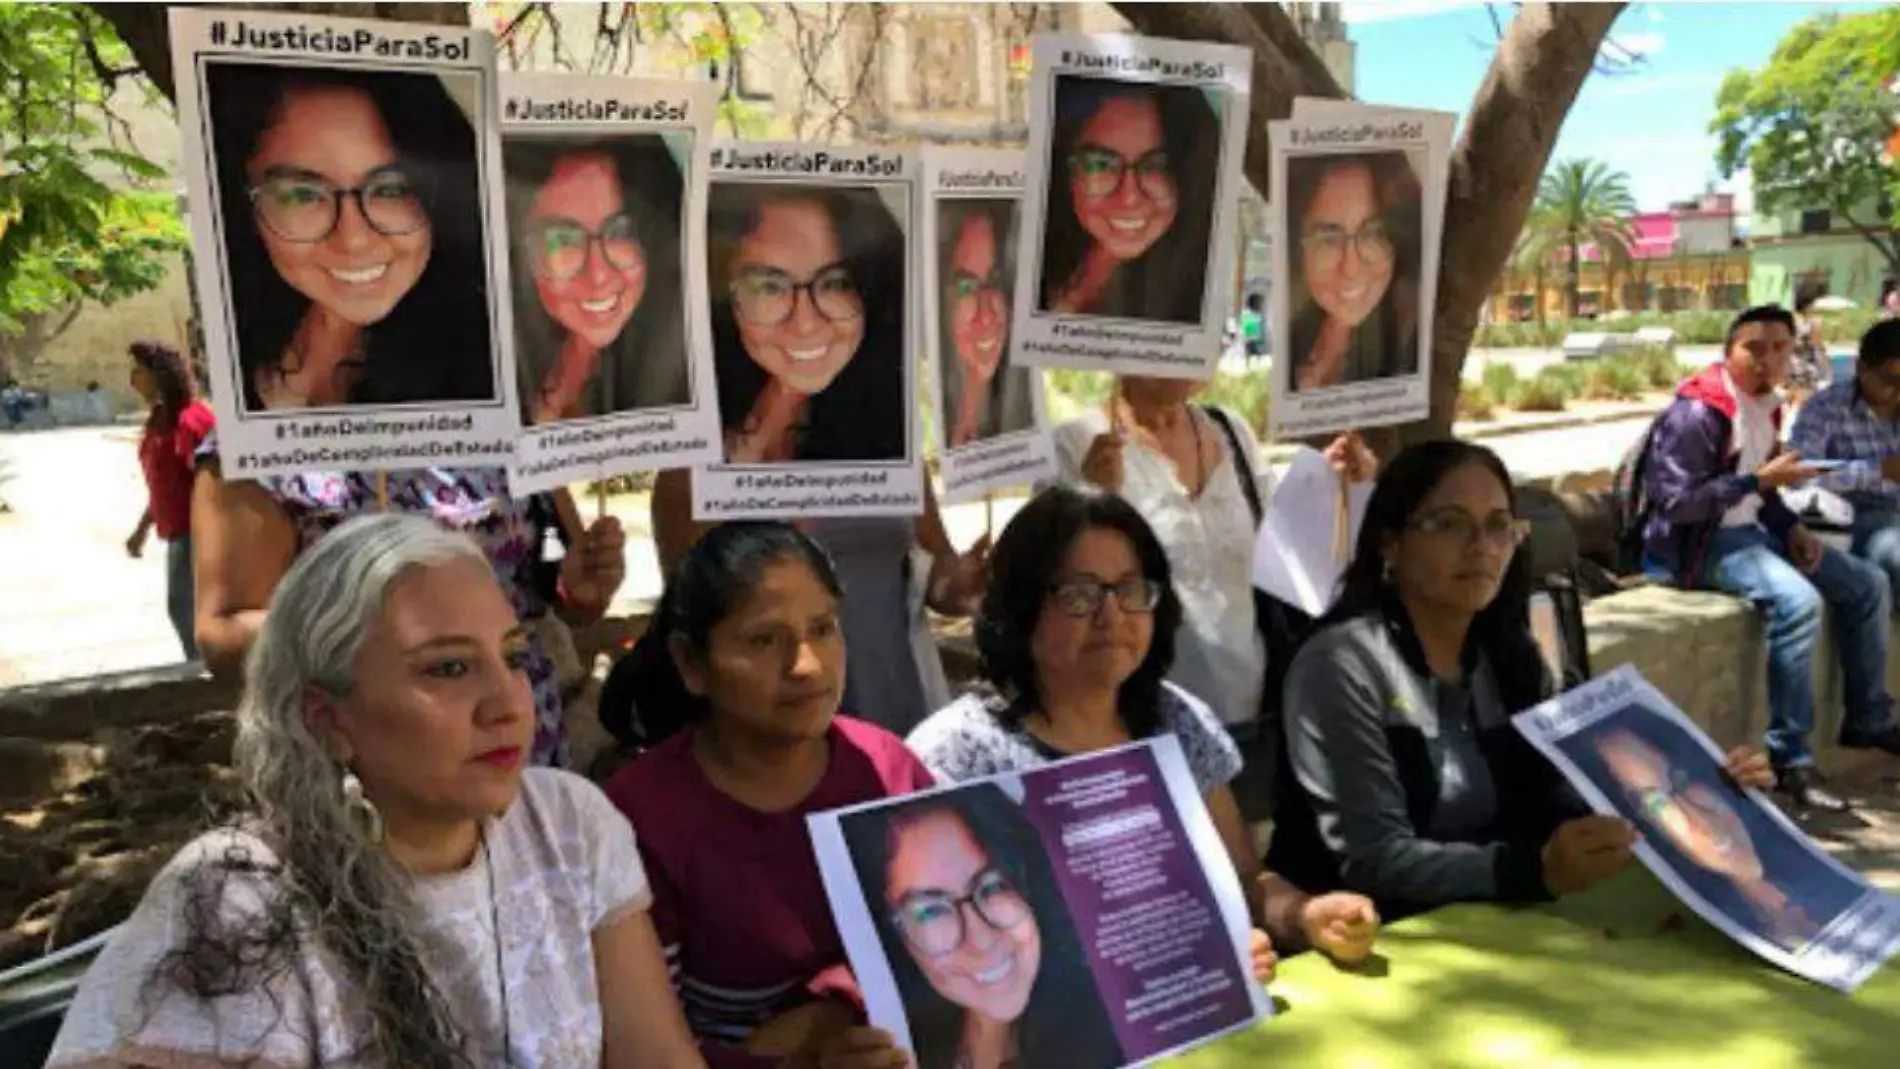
{"x": 473, "y": 501}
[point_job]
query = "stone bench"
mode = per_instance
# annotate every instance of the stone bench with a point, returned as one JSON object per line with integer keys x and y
{"x": 1707, "y": 652}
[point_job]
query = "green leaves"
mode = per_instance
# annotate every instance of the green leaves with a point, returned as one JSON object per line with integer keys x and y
{"x": 83, "y": 215}
{"x": 1814, "y": 126}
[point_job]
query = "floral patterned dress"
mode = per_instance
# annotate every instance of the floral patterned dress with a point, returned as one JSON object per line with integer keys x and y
{"x": 473, "y": 501}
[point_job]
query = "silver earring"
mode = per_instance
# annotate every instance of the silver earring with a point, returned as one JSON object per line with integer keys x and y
{"x": 1386, "y": 571}
{"x": 360, "y": 808}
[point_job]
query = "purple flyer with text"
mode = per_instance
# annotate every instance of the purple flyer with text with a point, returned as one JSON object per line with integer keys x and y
{"x": 1081, "y": 915}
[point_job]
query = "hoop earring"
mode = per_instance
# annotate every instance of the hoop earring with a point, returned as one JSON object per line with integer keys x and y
{"x": 361, "y": 810}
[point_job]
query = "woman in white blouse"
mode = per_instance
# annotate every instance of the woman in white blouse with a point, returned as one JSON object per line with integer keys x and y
{"x": 1174, "y": 461}
{"x": 400, "y": 891}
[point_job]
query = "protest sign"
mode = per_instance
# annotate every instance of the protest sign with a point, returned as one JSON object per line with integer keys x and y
{"x": 1088, "y": 903}
{"x": 1727, "y": 852}
{"x": 1132, "y": 210}
{"x": 606, "y": 205}
{"x": 813, "y": 325}
{"x": 990, "y": 418}
{"x": 1357, "y": 218}
{"x": 344, "y": 186}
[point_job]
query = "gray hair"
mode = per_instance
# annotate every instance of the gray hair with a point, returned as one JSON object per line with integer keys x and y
{"x": 333, "y": 885}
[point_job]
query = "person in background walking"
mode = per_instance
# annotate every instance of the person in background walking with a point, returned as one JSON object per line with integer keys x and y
{"x": 178, "y": 422}
{"x": 1809, "y": 370}
{"x": 1253, "y": 326}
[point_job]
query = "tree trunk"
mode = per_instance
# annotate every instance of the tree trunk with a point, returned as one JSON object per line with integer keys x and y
{"x": 1546, "y": 53}
{"x": 146, "y": 28}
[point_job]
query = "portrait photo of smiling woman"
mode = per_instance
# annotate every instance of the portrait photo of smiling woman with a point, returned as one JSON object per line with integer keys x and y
{"x": 1133, "y": 175}
{"x": 1721, "y": 843}
{"x": 1354, "y": 266}
{"x": 808, "y": 296}
{"x": 976, "y": 274}
{"x": 353, "y": 236}
{"x": 988, "y": 963}
{"x": 594, "y": 226}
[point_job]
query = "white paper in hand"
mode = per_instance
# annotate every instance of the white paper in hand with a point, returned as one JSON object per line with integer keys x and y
{"x": 1296, "y": 555}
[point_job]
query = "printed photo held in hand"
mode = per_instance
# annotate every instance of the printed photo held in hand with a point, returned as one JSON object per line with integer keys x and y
{"x": 1723, "y": 849}
{"x": 813, "y": 326}
{"x": 1077, "y": 916}
{"x": 990, "y": 418}
{"x": 1359, "y": 198}
{"x": 345, "y": 216}
{"x": 1132, "y": 204}
{"x": 606, "y": 215}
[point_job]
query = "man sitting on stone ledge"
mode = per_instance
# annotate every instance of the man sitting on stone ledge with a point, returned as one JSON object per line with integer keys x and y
{"x": 1857, "y": 420}
{"x": 1711, "y": 474}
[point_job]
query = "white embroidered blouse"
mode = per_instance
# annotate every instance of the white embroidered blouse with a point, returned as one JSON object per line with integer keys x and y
{"x": 563, "y": 865}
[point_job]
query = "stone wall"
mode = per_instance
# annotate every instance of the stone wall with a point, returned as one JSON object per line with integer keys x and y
{"x": 93, "y": 348}
{"x": 1707, "y": 653}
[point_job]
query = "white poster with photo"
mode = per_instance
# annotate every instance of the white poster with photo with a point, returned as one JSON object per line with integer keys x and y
{"x": 1357, "y": 213}
{"x": 606, "y": 207}
{"x": 1086, "y": 906}
{"x": 814, "y": 320}
{"x": 990, "y": 418}
{"x": 1132, "y": 211}
{"x": 1725, "y": 851}
{"x": 344, "y": 180}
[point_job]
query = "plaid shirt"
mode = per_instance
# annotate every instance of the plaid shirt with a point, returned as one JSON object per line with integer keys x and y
{"x": 1836, "y": 424}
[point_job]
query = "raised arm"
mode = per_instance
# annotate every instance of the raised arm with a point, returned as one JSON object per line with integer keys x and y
{"x": 242, "y": 543}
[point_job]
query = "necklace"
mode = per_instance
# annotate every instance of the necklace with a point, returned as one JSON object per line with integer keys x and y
{"x": 1200, "y": 458}
{"x": 501, "y": 972}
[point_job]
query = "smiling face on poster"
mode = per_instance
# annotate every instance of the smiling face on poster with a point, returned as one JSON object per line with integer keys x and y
{"x": 1358, "y": 196}
{"x": 813, "y": 321}
{"x": 344, "y": 199}
{"x": 1081, "y": 915}
{"x": 1132, "y": 204}
{"x": 990, "y": 415}
{"x": 606, "y": 234}
{"x": 1726, "y": 852}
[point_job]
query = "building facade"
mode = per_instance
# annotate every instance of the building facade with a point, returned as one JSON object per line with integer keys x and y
{"x": 1816, "y": 251}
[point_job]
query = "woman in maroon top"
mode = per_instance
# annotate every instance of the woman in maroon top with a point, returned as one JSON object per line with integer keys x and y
{"x": 743, "y": 683}
{"x": 179, "y": 421}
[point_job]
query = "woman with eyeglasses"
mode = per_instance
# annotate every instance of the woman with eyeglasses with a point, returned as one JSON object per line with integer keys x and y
{"x": 1076, "y": 640}
{"x": 1355, "y": 293}
{"x": 353, "y": 237}
{"x": 599, "y": 310}
{"x": 976, "y": 266}
{"x": 739, "y": 695}
{"x": 1408, "y": 782}
{"x": 1127, "y": 234}
{"x": 986, "y": 957}
{"x": 808, "y": 339}
{"x": 1697, "y": 826}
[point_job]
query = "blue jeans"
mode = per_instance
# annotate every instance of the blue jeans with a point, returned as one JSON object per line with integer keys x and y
{"x": 1877, "y": 541}
{"x": 1747, "y": 561}
{"x": 178, "y": 594}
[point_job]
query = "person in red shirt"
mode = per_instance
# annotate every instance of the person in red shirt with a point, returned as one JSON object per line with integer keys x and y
{"x": 178, "y": 422}
{"x": 742, "y": 680}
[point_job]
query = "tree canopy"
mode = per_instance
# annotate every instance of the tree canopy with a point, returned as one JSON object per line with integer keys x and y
{"x": 83, "y": 215}
{"x": 1815, "y": 126}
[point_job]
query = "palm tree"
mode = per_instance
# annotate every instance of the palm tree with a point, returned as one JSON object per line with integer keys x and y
{"x": 1582, "y": 202}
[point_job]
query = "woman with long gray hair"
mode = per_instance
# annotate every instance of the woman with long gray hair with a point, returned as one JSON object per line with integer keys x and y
{"x": 401, "y": 891}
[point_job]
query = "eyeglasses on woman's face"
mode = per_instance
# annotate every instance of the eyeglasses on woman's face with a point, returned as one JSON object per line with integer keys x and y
{"x": 1083, "y": 598}
{"x": 968, "y": 293}
{"x": 560, "y": 246}
{"x": 1499, "y": 530}
{"x": 933, "y": 922}
{"x": 1326, "y": 244}
{"x": 766, "y": 297}
{"x": 1099, "y": 172}
{"x": 302, "y": 207}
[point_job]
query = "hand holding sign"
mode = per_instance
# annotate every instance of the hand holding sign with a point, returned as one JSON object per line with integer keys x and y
{"x": 1584, "y": 852}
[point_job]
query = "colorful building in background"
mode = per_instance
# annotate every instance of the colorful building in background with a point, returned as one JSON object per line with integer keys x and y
{"x": 1816, "y": 250}
{"x": 1688, "y": 257}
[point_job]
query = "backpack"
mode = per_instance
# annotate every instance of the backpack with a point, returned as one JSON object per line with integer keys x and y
{"x": 1629, "y": 487}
